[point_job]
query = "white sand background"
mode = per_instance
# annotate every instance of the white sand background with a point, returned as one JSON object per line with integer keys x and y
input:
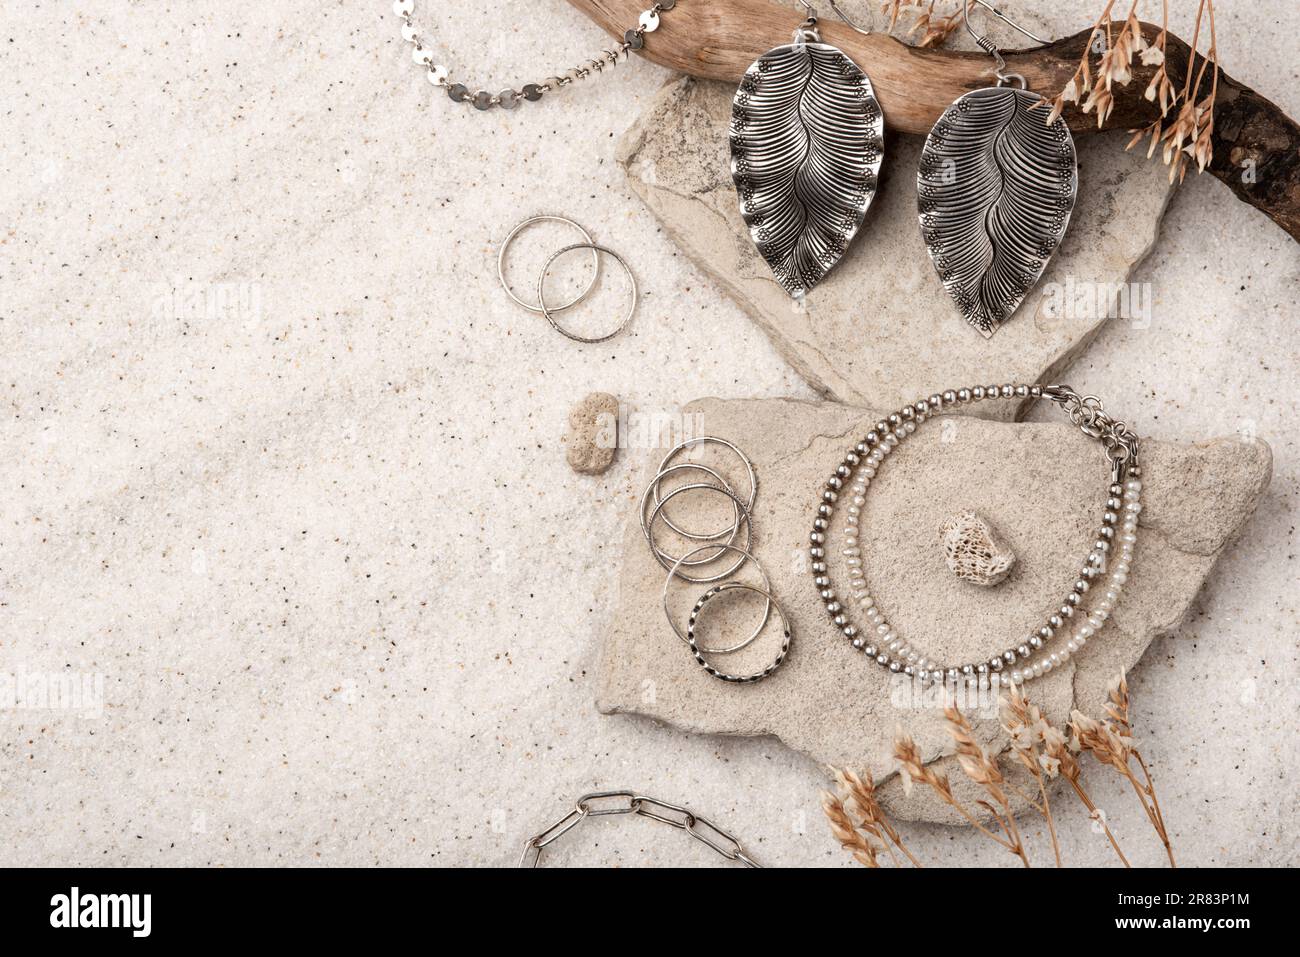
{"x": 312, "y": 523}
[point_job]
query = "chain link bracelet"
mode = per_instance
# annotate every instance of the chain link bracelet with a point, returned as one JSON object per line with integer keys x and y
{"x": 605, "y": 803}
{"x": 509, "y": 98}
{"x": 1111, "y": 554}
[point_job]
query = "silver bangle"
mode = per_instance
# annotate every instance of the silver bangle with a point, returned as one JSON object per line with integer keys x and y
{"x": 549, "y": 311}
{"x": 689, "y": 443}
{"x": 509, "y": 240}
{"x": 767, "y": 610}
{"x": 699, "y": 653}
{"x": 732, "y": 532}
{"x": 667, "y": 561}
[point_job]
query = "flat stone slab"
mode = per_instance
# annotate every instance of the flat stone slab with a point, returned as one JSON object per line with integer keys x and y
{"x": 1042, "y": 486}
{"x": 880, "y": 330}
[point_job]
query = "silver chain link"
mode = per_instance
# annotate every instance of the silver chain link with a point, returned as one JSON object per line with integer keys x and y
{"x": 510, "y": 98}
{"x": 605, "y": 803}
{"x": 1087, "y": 413}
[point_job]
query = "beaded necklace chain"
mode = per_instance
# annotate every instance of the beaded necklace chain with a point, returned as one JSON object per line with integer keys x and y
{"x": 1101, "y": 579}
{"x": 509, "y": 98}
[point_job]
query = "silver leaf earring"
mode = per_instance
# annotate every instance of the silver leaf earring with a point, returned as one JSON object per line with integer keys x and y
{"x": 995, "y": 191}
{"x": 807, "y": 141}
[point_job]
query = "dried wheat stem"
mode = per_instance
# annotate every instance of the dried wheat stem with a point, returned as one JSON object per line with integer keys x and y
{"x": 1046, "y": 811}
{"x": 984, "y": 771}
{"x": 1145, "y": 792}
{"x": 1058, "y": 750}
{"x": 1010, "y": 828}
{"x": 1098, "y": 817}
{"x": 1025, "y": 724}
{"x": 862, "y": 793}
{"x": 1159, "y": 817}
{"x": 860, "y": 825}
{"x": 913, "y": 769}
{"x": 1191, "y": 56}
{"x": 1111, "y": 747}
{"x": 983, "y": 830}
{"x": 1025, "y": 796}
{"x": 1117, "y": 708}
{"x": 846, "y": 833}
{"x": 893, "y": 836}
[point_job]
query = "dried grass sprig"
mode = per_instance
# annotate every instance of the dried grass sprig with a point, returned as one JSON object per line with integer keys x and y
{"x": 1080, "y": 86}
{"x": 1113, "y": 746}
{"x": 1114, "y": 67}
{"x": 1195, "y": 123}
{"x": 861, "y": 826}
{"x": 859, "y": 795}
{"x": 984, "y": 771}
{"x": 934, "y": 28}
{"x": 1190, "y": 135}
{"x": 846, "y": 832}
{"x": 1024, "y": 723}
{"x": 894, "y": 8}
{"x": 1057, "y": 751}
{"x": 914, "y": 770}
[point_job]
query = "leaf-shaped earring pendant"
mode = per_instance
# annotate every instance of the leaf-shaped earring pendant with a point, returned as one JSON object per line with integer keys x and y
{"x": 995, "y": 191}
{"x": 807, "y": 141}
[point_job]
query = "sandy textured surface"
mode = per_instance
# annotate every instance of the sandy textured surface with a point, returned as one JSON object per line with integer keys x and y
{"x": 284, "y": 467}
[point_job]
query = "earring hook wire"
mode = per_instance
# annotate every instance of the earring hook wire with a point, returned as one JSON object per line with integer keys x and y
{"x": 991, "y": 48}
{"x": 1001, "y": 16}
{"x": 845, "y": 17}
{"x": 807, "y": 32}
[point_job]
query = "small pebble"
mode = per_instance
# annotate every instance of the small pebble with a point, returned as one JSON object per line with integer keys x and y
{"x": 592, "y": 438}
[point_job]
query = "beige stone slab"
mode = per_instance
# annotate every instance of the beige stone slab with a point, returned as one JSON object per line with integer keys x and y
{"x": 880, "y": 329}
{"x": 1041, "y": 485}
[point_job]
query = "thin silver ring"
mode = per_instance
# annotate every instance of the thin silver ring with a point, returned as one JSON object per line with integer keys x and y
{"x": 548, "y": 312}
{"x": 722, "y": 675}
{"x": 666, "y": 560}
{"x": 701, "y": 440}
{"x": 767, "y": 610}
{"x": 510, "y": 238}
{"x": 645, "y": 496}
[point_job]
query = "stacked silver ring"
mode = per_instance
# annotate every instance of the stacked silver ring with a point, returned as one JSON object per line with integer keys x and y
{"x": 717, "y": 547}
{"x": 549, "y": 311}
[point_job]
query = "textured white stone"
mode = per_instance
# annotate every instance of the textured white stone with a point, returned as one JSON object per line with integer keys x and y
{"x": 973, "y": 551}
{"x": 1044, "y": 485}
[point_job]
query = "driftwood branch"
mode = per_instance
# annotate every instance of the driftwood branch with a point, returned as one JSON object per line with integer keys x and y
{"x": 1256, "y": 145}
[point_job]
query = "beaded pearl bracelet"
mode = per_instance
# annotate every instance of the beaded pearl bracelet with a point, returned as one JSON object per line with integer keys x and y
{"x": 1104, "y": 571}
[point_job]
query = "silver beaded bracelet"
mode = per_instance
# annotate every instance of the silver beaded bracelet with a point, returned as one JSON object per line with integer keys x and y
{"x": 1111, "y": 554}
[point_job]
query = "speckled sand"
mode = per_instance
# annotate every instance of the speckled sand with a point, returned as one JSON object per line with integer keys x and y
{"x": 318, "y": 535}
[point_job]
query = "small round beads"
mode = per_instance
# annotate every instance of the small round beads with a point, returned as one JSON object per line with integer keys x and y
{"x": 1065, "y": 631}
